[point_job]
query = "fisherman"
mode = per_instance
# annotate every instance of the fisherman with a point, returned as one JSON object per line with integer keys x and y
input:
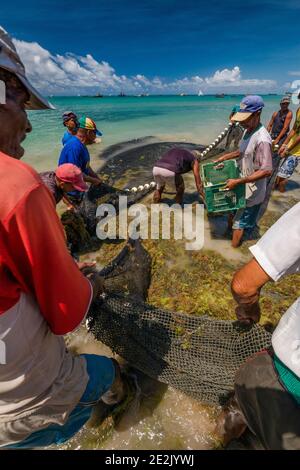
{"x": 278, "y": 127}
{"x": 279, "y": 124}
{"x": 64, "y": 179}
{"x": 267, "y": 386}
{"x": 290, "y": 153}
{"x": 70, "y": 121}
{"x": 75, "y": 151}
{"x": 255, "y": 163}
{"x": 236, "y": 131}
{"x": 169, "y": 170}
{"x": 46, "y": 393}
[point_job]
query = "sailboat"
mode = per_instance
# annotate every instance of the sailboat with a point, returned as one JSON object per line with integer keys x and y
{"x": 200, "y": 93}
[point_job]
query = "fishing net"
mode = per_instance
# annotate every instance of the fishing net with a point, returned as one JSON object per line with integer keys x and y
{"x": 198, "y": 355}
{"x": 139, "y": 156}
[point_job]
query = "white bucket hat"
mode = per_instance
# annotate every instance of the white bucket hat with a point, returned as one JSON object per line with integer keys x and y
{"x": 10, "y": 60}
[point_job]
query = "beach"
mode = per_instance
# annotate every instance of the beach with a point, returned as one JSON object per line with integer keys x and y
{"x": 136, "y": 132}
{"x": 192, "y": 282}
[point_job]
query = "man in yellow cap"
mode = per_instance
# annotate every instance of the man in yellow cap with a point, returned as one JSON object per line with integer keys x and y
{"x": 75, "y": 151}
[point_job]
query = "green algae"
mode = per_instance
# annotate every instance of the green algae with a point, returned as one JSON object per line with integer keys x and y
{"x": 198, "y": 282}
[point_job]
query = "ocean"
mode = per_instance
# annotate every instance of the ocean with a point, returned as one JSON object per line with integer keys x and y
{"x": 197, "y": 119}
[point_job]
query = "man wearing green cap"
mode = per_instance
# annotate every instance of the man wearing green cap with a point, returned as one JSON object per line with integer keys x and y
{"x": 75, "y": 151}
{"x": 46, "y": 393}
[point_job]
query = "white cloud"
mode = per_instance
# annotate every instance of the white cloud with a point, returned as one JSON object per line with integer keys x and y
{"x": 233, "y": 78}
{"x": 71, "y": 74}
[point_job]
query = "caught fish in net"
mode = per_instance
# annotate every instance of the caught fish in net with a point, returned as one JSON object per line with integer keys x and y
{"x": 198, "y": 355}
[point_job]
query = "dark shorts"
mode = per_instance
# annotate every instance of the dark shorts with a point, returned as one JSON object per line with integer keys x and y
{"x": 246, "y": 218}
{"x": 101, "y": 371}
{"x": 271, "y": 412}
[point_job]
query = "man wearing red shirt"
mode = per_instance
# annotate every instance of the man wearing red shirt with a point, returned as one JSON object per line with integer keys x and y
{"x": 44, "y": 389}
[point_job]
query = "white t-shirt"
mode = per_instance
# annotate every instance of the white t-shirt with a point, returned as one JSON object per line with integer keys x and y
{"x": 256, "y": 154}
{"x": 278, "y": 253}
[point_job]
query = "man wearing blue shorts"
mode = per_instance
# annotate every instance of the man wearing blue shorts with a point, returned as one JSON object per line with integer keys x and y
{"x": 255, "y": 164}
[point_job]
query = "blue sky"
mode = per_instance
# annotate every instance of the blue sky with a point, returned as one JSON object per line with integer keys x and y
{"x": 167, "y": 40}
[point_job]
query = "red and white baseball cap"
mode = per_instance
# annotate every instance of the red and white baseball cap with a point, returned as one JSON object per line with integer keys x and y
{"x": 69, "y": 173}
{"x": 10, "y": 60}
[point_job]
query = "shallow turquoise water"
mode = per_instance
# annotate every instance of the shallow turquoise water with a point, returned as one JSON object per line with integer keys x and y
{"x": 190, "y": 118}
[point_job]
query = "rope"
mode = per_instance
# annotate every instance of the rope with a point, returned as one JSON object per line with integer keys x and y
{"x": 149, "y": 186}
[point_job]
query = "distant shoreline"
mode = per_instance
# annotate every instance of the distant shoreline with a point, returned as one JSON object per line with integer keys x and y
{"x": 213, "y": 95}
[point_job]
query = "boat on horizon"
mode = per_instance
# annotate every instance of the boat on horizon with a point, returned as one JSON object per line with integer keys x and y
{"x": 220, "y": 95}
{"x": 122, "y": 94}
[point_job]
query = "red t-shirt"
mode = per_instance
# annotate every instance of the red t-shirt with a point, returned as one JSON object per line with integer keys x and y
{"x": 33, "y": 253}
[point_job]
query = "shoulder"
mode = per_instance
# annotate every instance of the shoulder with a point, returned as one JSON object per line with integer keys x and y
{"x": 72, "y": 146}
{"x": 73, "y": 142}
{"x": 263, "y": 136}
{"x": 17, "y": 179}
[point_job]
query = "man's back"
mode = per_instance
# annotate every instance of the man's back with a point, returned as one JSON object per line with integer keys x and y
{"x": 177, "y": 160}
{"x": 75, "y": 152}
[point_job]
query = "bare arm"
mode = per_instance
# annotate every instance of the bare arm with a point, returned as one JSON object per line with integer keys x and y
{"x": 257, "y": 175}
{"x": 286, "y": 125}
{"x": 92, "y": 177}
{"x": 270, "y": 125}
{"x": 293, "y": 145}
{"x": 228, "y": 156}
{"x": 245, "y": 288}
{"x": 197, "y": 178}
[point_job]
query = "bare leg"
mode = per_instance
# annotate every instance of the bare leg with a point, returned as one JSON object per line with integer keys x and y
{"x": 179, "y": 196}
{"x": 179, "y": 189}
{"x": 230, "y": 221}
{"x": 281, "y": 184}
{"x": 237, "y": 235}
{"x": 157, "y": 195}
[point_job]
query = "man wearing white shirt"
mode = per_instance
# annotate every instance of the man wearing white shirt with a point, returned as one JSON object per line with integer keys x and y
{"x": 254, "y": 159}
{"x": 267, "y": 386}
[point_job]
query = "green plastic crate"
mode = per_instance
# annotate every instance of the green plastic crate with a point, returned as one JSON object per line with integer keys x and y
{"x": 217, "y": 199}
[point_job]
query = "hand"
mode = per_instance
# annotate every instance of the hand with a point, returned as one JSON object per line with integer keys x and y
{"x": 201, "y": 194}
{"x": 219, "y": 166}
{"x": 219, "y": 160}
{"x": 248, "y": 314}
{"x": 96, "y": 181}
{"x": 282, "y": 151}
{"x": 86, "y": 268}
{"x": 232, "y": 183}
